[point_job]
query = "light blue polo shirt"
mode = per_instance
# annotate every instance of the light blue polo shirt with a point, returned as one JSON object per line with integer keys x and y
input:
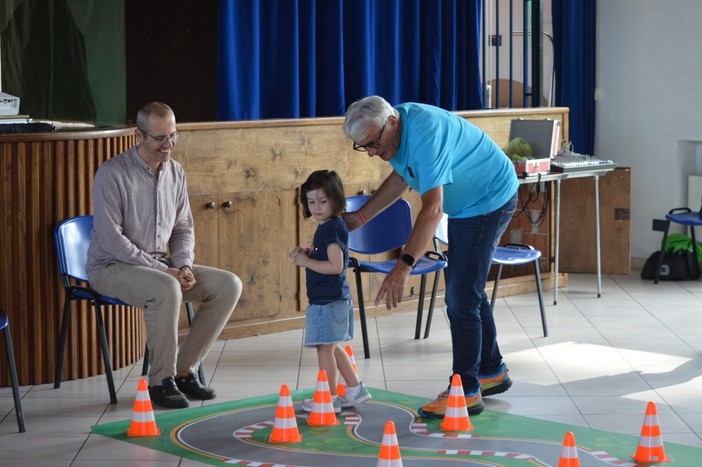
{"x": 440, "y": 148}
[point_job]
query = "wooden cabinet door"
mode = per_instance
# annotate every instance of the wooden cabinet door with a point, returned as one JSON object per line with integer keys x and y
{"x": 205, "y": 209}
{"x": 255, "y": 236}
{"x": 578, "y": 247}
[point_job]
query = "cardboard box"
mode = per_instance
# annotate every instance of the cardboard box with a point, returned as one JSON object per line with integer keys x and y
{"x": 532, "y": 167}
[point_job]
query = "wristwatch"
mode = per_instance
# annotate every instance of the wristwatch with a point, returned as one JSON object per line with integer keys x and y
{"x": 408, "y": 260}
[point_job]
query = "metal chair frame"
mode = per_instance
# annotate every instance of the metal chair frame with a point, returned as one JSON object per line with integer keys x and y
{"x": 511, "y": 254}
{"x": 72, "y": 238}
{"x": 386, "y": 232}
{"x": 5, "y": 326}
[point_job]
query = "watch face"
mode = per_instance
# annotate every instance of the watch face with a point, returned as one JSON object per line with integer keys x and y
{"x": 407, "y": 259}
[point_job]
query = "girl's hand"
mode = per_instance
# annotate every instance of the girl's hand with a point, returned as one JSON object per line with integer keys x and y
{"x": 299, "y": 256}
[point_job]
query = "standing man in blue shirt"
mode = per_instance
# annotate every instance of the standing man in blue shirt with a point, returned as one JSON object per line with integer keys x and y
{"x": 458, "y": 170}
{"x": 142, "y": 252}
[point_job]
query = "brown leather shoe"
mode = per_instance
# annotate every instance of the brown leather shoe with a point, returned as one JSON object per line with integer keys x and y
{"x": 190, "y": 386}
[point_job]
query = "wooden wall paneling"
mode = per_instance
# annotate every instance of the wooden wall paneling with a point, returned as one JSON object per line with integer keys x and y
{"x": 305, "y": 234}
{"x": 205, "y": 209}
{"x": 256, "y": 234}
{"x": 45, "y": 179}
{"x": 5, "y": 245}
{"x": 10, "y": 213}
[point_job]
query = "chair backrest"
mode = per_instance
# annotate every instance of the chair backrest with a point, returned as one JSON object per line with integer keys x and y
{"x": 3, "y": 320}
{"x": 72, "y": 238}
{"x": 385, "y": 232}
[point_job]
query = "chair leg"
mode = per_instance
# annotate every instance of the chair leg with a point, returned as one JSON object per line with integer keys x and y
{"x": 362, "y": 313}
{"x": 13, "y": 377}
{"x": 105, "y": 353}
{"x": 494, "y": 288}
{"x": 660, "y": 255}
{"x": 191, "y": 316}
{"x": 65, "y": 323}
{"x": 420, "y": 306}
{"x": 694, "y": 251}
{"x": 539, "y": 291}
{"x": 145, "y": 366}
{"x": 432, "y": 303}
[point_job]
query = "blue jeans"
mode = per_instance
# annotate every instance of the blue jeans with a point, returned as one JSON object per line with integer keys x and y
{"x": 472, "y": 243}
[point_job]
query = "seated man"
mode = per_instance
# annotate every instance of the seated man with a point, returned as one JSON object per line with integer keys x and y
{"x": 142, "y": 253}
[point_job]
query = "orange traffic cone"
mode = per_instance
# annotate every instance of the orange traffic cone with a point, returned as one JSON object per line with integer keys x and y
{"x": 389, "y": 455}
{"x": 341, "y": 384}
{"x": 143, "y": 421}
{"x": 650, "y": 449}
{"x": 569, "y": 453}
{"x": 285, "y": 425}
{"x": 456, "y": 417}
{"x": 322, "y": 407}
{"x": 349, "y": 351}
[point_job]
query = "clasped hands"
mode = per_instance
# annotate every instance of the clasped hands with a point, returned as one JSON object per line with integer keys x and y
{"x": 299, "y": 255}
{"x": 185, "y": 277}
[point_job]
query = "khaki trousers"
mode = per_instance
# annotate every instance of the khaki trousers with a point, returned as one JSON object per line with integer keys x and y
{"x": 159, "y": 295}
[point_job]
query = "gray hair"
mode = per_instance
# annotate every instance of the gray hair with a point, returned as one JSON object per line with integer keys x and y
{"x": 157, "y": 108}
{"x": 365, "y": 115}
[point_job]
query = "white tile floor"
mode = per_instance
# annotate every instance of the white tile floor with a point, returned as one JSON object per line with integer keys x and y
{"x": 604, "y": 359}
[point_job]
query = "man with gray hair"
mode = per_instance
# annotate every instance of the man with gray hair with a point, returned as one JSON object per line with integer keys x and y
{"x": 458, "y": 170}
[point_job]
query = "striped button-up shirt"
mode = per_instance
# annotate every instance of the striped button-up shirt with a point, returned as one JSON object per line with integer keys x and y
{"x": 140, "y": 217}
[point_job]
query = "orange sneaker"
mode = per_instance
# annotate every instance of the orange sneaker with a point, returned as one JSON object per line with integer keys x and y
{"x": 437, "y": 407}
{"x": 496, "y": 383}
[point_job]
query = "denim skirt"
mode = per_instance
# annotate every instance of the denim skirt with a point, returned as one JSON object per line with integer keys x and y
{"x": 329, "y": 323}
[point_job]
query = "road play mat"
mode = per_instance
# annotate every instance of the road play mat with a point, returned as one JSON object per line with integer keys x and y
{"x": 239, "y": 433}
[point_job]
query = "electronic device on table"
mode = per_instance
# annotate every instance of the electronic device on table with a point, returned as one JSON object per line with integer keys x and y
{"x": 9, "y": 105}
{"x": 567, "y": 161}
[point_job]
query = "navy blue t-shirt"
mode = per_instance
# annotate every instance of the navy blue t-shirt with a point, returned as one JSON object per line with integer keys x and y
{"x": 327, "y": 288}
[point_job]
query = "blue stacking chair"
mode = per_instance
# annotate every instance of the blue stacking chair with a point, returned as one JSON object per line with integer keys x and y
{"x": 72, "y": 237}
{"x": 688, "y": 218}
{"x": 511, "y": 254}
{"x": 5, "y": 327}
{"x": 515, "y": 254}
{"x": 386, "y": 232}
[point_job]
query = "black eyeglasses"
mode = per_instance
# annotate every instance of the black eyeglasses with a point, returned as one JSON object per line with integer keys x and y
{"x": 173, "y": 137}
{"x": 373, "y": 144}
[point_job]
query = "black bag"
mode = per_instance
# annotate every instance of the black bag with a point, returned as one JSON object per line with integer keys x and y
{"x": 679, "y": 266}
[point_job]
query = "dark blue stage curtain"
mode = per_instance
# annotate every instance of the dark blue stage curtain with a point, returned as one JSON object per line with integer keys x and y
{"x": 312, "y": 58}
{"x": 574, "y": 39}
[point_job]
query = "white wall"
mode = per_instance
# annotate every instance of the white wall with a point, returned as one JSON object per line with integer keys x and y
{"x": 649, "y": 77}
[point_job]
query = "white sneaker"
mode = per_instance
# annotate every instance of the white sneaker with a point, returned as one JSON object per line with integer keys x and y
{"x": 353, "y": 397}
{"x": 307, "y": 405}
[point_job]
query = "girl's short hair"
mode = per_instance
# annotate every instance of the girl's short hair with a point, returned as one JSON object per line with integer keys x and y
{"x": 329, "y": 182}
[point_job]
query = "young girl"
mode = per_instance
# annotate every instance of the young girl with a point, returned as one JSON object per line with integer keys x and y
{"x": 329, "y": 318}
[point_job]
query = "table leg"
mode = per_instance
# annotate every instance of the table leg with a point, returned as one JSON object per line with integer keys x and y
{"x": 558, "y": 241}
{"x": 597, "y": 229}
